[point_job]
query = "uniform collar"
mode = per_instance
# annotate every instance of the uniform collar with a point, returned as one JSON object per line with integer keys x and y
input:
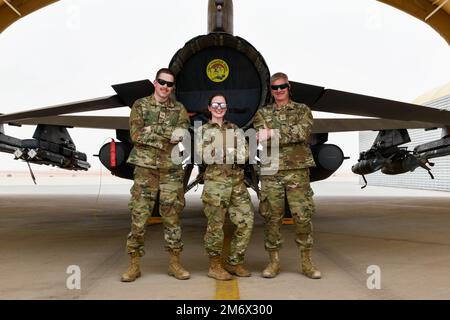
{"x": 169, "y": 103}
{"x": 288, "y": 105}
{"x": 225, "y": 124}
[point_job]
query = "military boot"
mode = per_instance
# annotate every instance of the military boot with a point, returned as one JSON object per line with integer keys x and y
{"x": 216, "y": 270}
{"x": 175, "y": 268}
{"x": 308, "y": 268}
{"x": 238, "y": 270}
{"x": 133, "y": 271}
{"x": 273, "y": 268}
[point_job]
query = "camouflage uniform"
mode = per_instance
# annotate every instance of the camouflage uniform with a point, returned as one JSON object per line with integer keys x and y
{"x": 294, "y": 122}
{"x": 151, "y": 127}
{"x": 225, "y": 191}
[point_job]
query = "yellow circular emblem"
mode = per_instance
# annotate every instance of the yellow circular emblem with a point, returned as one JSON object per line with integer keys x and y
{"x": 217, "y": 70}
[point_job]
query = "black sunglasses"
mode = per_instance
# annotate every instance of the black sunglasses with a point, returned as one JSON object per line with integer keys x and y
{"x": 279, "y": 86}
{"x": 163, "y": 82}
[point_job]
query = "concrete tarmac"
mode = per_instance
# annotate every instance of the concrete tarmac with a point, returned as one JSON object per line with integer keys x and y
{"x": 405, "y": 233}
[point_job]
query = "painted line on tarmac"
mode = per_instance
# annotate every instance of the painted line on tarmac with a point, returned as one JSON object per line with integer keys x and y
{"x": 227, "y": 290}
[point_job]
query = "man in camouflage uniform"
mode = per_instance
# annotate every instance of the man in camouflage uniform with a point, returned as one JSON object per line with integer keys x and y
{"x": 292, "y": 122}
{"x": 153, "y": 119}
{"x": 225, "y": 192}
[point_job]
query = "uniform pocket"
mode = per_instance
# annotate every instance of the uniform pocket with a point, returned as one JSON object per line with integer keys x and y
{"x": 263, "y": 204}
{"x": 211, "y": 198}
{"x": 172, "y": 118}
{"x": 211, "y": 194}
{"x": 151, "y": 117}
{"x": 172, "y": 196}
{"x": 293, "y": 120}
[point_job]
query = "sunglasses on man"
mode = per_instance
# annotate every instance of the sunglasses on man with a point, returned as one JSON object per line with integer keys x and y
{"x": 216, "y": 105}
{"x": 164, "y": 82}
{"x": 279, "y": 86}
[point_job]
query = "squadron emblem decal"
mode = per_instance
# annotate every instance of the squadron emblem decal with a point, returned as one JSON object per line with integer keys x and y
{"x": 217, "y": 70}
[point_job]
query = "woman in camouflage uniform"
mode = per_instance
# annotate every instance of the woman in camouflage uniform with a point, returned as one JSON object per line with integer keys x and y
{"x": 225, "y": 192}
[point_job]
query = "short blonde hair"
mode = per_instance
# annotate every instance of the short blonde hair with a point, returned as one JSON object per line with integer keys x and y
{"x": 278, "y": 76}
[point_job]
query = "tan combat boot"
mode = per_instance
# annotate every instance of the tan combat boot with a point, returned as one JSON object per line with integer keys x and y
{"x": 216, "y": 270}
{"x": 273, "y": 268}
{"x": 308, "y": 268}
{"x": 133, "y": 271}
{"x": 175, "y": 268}
{"x": 238, "y": 270}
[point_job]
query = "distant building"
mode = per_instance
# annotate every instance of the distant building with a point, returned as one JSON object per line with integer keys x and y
{"x": 419, "y": 179}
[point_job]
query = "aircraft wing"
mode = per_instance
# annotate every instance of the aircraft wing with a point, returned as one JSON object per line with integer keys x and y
{"x": 329, "y": 100}
{"x": 127, "y": 93}
{"x": 321, "y": 125}
{"x": 94, "y": 122}
{"x": 343, "y": 125}
{"x": 73, "y": 107}
{"x": 390, "y": 114}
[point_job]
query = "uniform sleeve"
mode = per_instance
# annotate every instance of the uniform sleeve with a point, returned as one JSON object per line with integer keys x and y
{"x": 300, "y": 131}
{"x": 239, "y": 150}
{"x": 141, "y": 134}
{"x": 183, "y": 122}
{"x": 205, "y": 139}
{"x": 138, "y": 132}
{"x": 258, "y": 121}
{"x": 242, "y": 153}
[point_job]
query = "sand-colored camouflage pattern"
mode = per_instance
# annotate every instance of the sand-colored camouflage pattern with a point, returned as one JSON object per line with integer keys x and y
{"x": 293, "y": 123}
{"x": 151, "y": 127}
{"x": 144, "y": 192}
{"x": 225, "y": 192}
{"x": 295, "y": 186}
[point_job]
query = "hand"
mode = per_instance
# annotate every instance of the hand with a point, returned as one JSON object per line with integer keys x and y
{"x": 264, "y": 134}
{"x": 175, "y": 140}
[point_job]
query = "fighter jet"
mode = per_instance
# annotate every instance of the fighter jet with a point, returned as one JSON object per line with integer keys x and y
{"x": 221, "y": 61}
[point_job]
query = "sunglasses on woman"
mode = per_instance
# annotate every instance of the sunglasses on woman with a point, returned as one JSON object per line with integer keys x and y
{"x": 216, "y": 105}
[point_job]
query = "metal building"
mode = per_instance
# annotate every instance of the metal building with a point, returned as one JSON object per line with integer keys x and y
{"x": 419, "y": 179}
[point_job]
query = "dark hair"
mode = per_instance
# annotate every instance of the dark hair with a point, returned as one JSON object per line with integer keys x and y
{"x": 165, "y": 70}
{"x": 217, "y": 94}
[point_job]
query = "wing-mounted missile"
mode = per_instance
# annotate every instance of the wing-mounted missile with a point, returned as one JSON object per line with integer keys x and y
{"x": 8, "y": 144}
{"x": 383, "y": 149}
{"x": 386, "y": 155}
{"x": 436, "y": 148}
{"x": 51, "y": 145}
